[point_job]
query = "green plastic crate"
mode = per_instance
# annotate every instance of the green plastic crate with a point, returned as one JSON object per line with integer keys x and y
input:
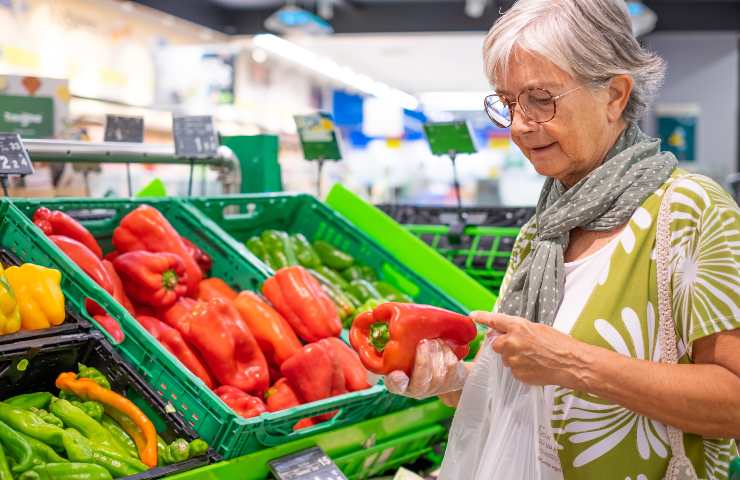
{"x": 482, "y": 252}
{"x": 230, "y": 434}
{"x": 243, "y": 216}
{"x": 345, "y": 445}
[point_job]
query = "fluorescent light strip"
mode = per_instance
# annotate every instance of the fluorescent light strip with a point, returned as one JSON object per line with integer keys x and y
{"x": 329, "y": 68}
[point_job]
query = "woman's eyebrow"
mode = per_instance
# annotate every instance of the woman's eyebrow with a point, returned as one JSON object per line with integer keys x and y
{"x": 533, "y": 84}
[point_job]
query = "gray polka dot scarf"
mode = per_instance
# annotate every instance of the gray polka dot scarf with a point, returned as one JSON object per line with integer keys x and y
{"x": 605, "y": 199}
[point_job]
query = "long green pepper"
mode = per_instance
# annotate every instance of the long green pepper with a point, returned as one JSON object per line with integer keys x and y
{"x": 67, "y": 471}
{"x": 30, "y": 400}
{"x": 120, "y": 434}
{"x": 18, "y": 449}
{"x": 31, "y": 424}
{"x": 76, "y": 418}
{"x": 4, "y": 468}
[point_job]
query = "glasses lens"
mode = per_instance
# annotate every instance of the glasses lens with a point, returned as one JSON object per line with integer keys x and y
{"x": 538, "y": 105}
{"x": 498, "y": 111}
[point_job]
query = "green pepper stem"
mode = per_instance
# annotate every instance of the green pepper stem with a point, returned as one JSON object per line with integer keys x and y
{"x": 169, "y": 280}
{"x": 379, "y": 335}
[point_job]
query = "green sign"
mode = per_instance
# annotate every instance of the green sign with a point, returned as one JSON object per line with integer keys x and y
{"x": 446, "y": 137}
{"x": 318, "y": 138}
{"x": 678, "y": 135}
{"x": 31, "y": 117}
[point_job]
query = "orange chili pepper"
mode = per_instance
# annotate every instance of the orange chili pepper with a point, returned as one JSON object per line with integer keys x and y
{"x": 89, "y": 390}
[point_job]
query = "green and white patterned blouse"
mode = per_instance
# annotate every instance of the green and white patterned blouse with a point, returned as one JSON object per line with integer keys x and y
{"x": 599, "y": 439}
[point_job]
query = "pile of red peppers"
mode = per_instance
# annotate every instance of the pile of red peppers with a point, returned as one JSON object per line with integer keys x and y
{"x": 257, "y": 353}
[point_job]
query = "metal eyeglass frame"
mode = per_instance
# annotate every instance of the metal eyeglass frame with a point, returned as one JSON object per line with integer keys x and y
{"x": 553, "y": 99}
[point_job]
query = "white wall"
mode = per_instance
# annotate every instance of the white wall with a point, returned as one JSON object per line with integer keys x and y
{"x": 703, "y": 69}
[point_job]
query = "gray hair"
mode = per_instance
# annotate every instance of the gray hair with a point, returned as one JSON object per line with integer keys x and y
{"x": 591, "y": 40}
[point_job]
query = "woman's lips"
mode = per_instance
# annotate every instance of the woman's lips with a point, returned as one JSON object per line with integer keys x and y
{"x": 544, "y": 149}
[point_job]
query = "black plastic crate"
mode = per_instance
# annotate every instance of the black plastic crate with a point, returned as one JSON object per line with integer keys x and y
{"x": 32, "y": 365}
{"x": 73, "y": 323}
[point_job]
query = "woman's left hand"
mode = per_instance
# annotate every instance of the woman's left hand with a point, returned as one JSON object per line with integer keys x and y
{"x": 537, "y": 354}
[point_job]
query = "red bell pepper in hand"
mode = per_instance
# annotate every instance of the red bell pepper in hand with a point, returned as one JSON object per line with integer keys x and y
{"x": 355, "y": 375}
{"x": 242, "y": 403}
{"x": 274, "y": 334}
{"x": 111, "y": 326}
{"x": 228, "y": 347}
{"x": 85, "y": 259}
{"x": 204, "y": 261}
{"x": 281, "y": 396}
{"x": 154, "y": 279}
{"x": 386, "y": 338}
{"x": 209, "y": 288}
{"x": 176, "y": 345}
{"x": 298, "y": 296}
{"x": 59, "y": 223}
{"x": 145, "y": 228}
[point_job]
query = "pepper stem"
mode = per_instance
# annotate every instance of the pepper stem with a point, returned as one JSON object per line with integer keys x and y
{"x": 169, "y": 279}
{"x": 379, "y": 335}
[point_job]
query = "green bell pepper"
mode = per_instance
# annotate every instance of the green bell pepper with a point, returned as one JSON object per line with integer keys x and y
{"x": 305, "y": 253}
{"x": 391, "y": 293}
{"x": 18, "y": 449}
{"x": 257, "y": 247}
{"x": 279, "y": 249}
{"x": 331, "y": 256}
{"x": 49, "y": 418}
{"x": 67, "y": 471}
{"x": 364, "y": 290}
{"x": 120, "y": 434}
{"x": 4, "y": 468}
{"x": 30, "y": 400}
{"x": 25, "y": 421}
{"x": 198, "y": 447}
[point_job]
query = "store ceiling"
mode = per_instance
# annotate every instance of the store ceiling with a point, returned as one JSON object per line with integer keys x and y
{"x": 385, "y": 16}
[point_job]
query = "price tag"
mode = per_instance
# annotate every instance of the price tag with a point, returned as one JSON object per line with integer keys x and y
{"x": 446, "y": 137}
{"x": 318, "y": 138}
{"x": 310, "y": 464}
{"x": 195, "y": 136}
{"x": 119, "y": 128}
{"x": 14, "y": 159}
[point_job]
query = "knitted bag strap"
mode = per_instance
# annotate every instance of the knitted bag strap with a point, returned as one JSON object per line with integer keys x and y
{"x": 679, "y": 467}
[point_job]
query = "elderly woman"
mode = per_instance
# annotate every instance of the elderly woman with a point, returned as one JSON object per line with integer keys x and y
{"x": 578, "y": 311}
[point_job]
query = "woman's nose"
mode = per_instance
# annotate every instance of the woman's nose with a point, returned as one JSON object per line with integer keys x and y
{"x": 520, "y": 123}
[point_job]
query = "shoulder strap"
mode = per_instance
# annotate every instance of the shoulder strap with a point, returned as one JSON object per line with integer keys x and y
{"x": 679, "y": 467}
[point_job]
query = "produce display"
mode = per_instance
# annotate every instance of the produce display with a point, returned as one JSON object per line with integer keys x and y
{"x": 386, "y": 338}
{"x": 353, "y": 288}
{"x": 31, "y": 298}
{"x": 247, "y": 348}
{"x": 86, "y": 431}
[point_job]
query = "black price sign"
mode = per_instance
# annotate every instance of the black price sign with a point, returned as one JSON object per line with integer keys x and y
{"x": 310, "y": 464}
{"x": 195, "y": 136}
{"x": 119, "y": 128}
{"x": 14, "y": 159}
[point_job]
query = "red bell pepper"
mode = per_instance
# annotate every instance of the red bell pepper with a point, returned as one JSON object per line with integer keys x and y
{"x": 145, "y": 228}
{"x": 204, "y": 261}
{"x": 242, "y": 403}
{"x": 118, "y": 292}
{"x": 315, "y": 373}
{"x": 59, "y": 223}
{"x": 386, "y": 338}
{"x": 298, "y": 296}
{"x": 111, "y": 326}
{"x": 155, "y": 279}
{"x": 281, "y": 396}
{"x": 228, "y": 347}
{"x": 209, "y": 288}
{"x": 176, "y": 345}
{"x": 85, "y": 259}
{"x": 177, "y": 315}
{"x": 274, "y": 334}
{"x": 112, "y": 255}
{"x": 355, "y": 375}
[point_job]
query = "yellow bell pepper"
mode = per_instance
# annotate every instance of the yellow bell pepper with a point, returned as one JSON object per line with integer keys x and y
{"x": 10, "y": 315}
{"x": 39, "y": 294}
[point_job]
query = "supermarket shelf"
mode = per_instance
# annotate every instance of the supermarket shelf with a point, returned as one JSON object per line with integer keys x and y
{"x": 115, "y": 152}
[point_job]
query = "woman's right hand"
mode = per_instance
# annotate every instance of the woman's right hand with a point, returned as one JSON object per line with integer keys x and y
{"x": 437, "y": 371}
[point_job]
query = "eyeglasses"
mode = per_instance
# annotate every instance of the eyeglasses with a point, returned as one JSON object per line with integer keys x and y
{"x": 537, "y": 104}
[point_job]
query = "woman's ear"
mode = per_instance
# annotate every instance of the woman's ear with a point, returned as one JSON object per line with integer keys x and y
{"x": 619, "y": 89}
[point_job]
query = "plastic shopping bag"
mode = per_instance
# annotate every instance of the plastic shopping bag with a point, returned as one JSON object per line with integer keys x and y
{"x": 501, "y": 429}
